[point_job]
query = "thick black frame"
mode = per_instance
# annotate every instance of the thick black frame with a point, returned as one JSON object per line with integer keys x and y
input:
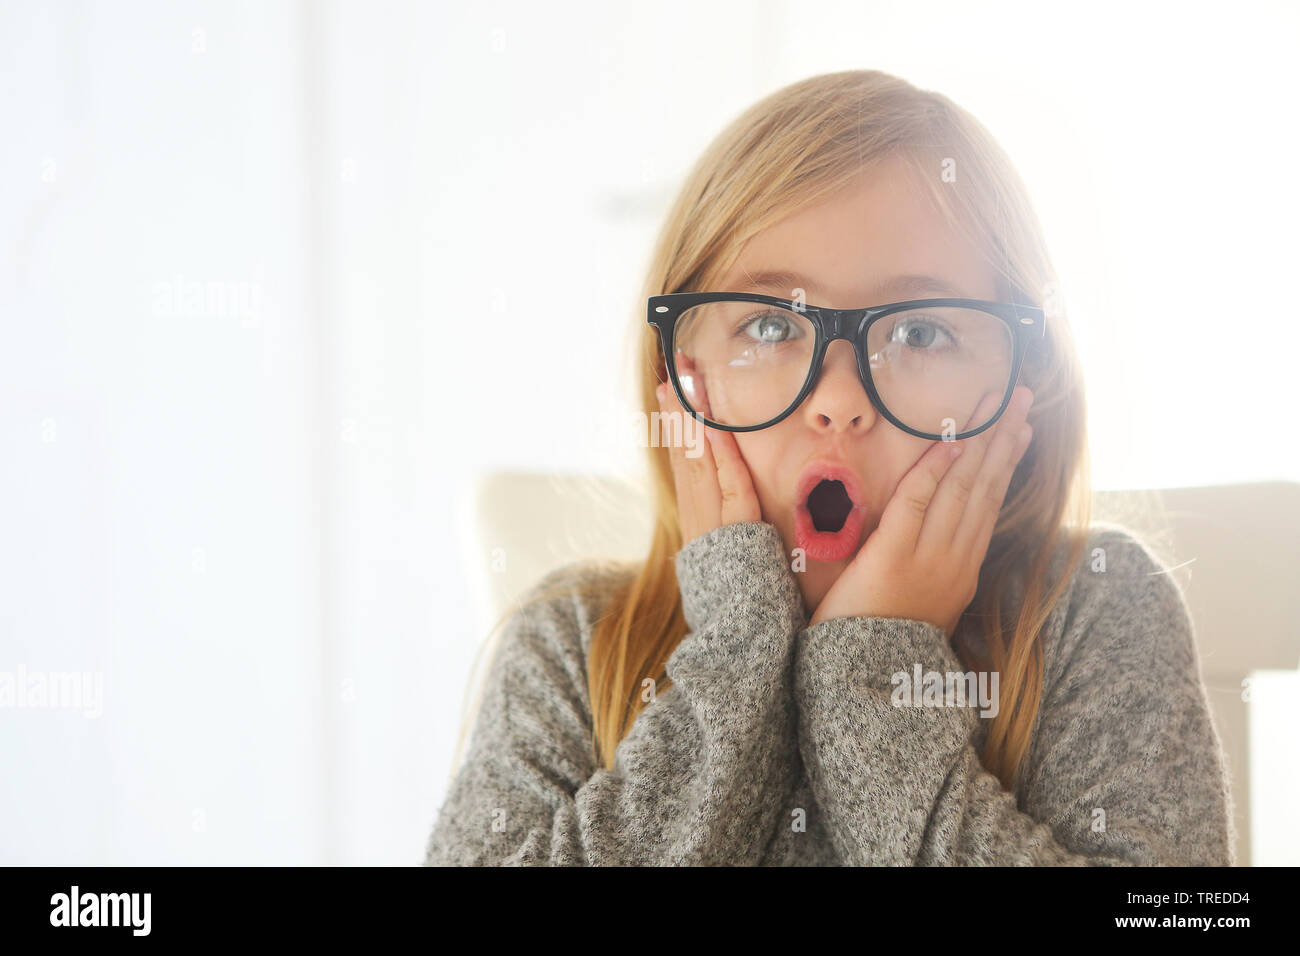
{"x": 1025, "y": 321}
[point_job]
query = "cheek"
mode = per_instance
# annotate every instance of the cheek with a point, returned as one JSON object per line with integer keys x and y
{"x": 903, "y": 460}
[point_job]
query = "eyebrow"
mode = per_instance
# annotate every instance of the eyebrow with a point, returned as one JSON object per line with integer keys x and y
{"x": 898, "y": 288}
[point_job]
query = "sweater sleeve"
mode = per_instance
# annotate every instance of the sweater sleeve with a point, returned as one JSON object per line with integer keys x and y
{"x": 704, "y": 774}
{"x": 1125, "y": 766}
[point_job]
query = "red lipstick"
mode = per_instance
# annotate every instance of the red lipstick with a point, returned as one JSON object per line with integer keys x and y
{"x": 829, "y": 513}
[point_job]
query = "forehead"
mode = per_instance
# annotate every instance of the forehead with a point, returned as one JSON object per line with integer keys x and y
{"x": 854, "y": 247}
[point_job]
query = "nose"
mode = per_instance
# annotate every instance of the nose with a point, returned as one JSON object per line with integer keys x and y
{"x": 839, "y": 402}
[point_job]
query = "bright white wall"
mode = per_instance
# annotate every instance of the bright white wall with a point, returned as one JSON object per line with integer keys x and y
{"x": 247, "y": 520}
{"x": 159, "y": 489}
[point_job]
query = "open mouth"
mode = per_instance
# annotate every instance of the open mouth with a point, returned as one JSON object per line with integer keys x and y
{"x": 829, "y": 505}
{"x": 829, "y": 516}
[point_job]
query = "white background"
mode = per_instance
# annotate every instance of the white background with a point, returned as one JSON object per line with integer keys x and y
{"x": 243, "y": 512}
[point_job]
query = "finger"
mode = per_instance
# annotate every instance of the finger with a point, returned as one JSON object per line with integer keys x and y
{"x": 736, "y": 486}
{"x": 959, "y": 486}
{"x": 738, "y": 502}
{"x": 901, "y": 521}
{"x": 976, "y": 542}
{"x": 1004, "y": 455}
{"x": 675, "y": 454}
{"x": 695, "y": 478}
{"x": 692, "y": 383}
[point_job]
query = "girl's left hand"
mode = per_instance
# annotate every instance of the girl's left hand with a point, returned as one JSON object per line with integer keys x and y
{"x": 923, "y": 560}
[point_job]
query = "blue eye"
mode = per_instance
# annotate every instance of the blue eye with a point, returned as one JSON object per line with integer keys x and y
{"x": 772, "y": 327}
{"x": 920, "y": 334}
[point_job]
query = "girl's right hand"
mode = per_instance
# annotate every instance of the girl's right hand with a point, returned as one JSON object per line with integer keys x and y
{"x": 713, "y": 488}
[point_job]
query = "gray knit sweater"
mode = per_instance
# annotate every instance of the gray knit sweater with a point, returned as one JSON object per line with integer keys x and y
{"x": 783, "y": 744}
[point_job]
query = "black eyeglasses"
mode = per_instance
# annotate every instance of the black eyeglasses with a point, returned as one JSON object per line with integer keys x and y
{"x": 743, "y": 361}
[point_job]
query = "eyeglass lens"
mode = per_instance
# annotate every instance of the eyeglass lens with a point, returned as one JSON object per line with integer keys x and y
{"x": 744, "y": 363}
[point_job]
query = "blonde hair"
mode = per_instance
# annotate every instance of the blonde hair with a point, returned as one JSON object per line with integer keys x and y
{"x": 802, "y": 143}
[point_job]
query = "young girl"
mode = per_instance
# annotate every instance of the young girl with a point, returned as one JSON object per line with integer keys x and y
{"x": 876, "y": 625}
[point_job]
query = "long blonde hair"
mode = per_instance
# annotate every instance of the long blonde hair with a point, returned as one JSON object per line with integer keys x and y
{"x": 799, "y": 144}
